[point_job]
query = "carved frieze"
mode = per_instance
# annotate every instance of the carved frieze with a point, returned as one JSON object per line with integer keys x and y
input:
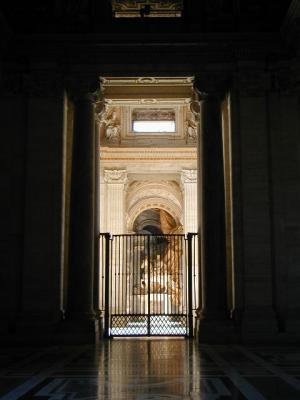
{"x": 147, "y": 8}
{"x": 153, "y": 114}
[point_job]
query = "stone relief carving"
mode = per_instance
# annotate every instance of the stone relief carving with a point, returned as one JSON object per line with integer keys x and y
{"x": 115, "y": 176}
{"x": 112, "y": 125}
{"x": 153, "y": 114}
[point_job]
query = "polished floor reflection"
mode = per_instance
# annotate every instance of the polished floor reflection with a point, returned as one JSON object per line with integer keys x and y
{"x": 141, "y": 369}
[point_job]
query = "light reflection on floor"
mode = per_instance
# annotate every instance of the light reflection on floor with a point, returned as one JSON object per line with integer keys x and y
{"x": 150, "y": 369}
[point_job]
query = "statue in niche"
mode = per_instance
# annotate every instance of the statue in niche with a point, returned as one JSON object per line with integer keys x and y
{"x": 165, "y": 261}
{"x": 112, "y": 126}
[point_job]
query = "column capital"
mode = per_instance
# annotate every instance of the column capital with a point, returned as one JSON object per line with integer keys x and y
{"x": 84, "y": 88}
{"x": 210, "y": 85}
{"x": 115, "y": 176}
{"x": 188, "y": 176}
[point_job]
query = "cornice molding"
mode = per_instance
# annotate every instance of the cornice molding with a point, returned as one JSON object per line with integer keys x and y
{"x": 147, "y": 154}
{"x": 146, "y": 81}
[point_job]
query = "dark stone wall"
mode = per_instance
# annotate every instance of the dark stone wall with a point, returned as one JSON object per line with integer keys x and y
{"x": 260, "y": 74}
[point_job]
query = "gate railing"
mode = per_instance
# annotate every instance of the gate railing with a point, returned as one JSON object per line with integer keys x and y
{"x": 148, "y": 284}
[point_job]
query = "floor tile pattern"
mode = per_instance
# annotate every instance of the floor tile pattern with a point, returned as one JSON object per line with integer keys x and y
{"x": 150, "y": 369}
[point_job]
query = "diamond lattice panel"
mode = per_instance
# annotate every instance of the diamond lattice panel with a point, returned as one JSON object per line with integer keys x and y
{"x": 129, "y": 325}
{"x": 168, "y": 325}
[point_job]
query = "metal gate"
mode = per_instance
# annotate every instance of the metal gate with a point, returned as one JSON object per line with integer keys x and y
{"x": 148, "y": 284}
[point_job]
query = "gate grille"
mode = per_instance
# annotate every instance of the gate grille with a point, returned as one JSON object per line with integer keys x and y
{"x": 148, "y": 284}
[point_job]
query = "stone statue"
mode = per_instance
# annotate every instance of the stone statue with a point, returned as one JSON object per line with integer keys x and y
{"x": 191, "y": 130}
{"x": 112, "y": 126}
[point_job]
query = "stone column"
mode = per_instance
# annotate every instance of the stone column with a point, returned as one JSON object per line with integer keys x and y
{"x": 115, "y": 200}
{"x": 212, "y": 324}
{"x": 82, "y": 219}
{"x": 189, "y": 185}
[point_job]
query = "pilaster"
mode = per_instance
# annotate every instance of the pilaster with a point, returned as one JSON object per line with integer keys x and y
{"x": 189, "y": 185}
{"x": 115, "y": 200}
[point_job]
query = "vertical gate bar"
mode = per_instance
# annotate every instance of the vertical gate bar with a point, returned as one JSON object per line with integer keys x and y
{"x": 138, "y": 301}
{"x": 169, "y": 277}
{"x": 139, "y": 280}
{"x": 179, "y": 262}
{"x": 190, "y": 283}
{"x": 185, "y": 275}
{"x": 173, "y": 261}
{"x": 194, "y": 273}
{"x": 159, "y": 271}
{"x": 148, "y": 283}
{"x": 125, "y": 278}
{"x": 180, "y": 276}
{"x": 114, "y": 266}
{"x": 119, "y": 277}
{"x": 131, "y": 272}
{"x": 107, "y": 294}
{"x": 96, "y": 276}
{"x": 103, "y": 272}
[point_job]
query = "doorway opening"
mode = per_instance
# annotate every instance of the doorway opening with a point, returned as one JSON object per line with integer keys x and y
{"x": 148, "y": 178}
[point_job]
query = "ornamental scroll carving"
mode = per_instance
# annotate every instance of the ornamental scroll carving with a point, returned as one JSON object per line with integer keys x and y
{"x": 115, "y": 176}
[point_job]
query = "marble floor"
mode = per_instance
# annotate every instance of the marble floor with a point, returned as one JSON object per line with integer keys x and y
{"x": 142, "y": 369}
